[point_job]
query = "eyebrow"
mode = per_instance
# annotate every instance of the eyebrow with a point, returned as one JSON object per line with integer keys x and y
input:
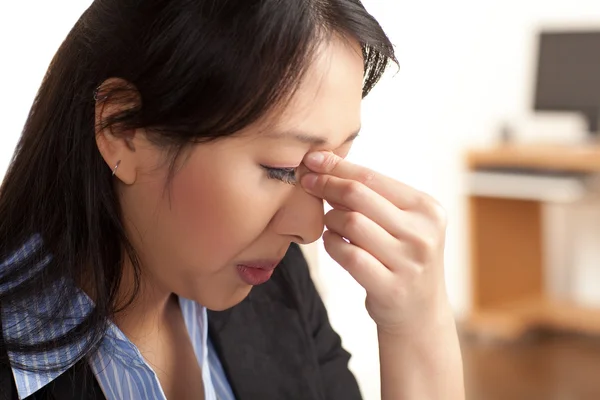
{"x": 307, "y": 138}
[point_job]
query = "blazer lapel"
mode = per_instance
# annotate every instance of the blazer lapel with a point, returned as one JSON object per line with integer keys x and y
{"x": 77, "y": 383}
{"x": 264, "y": 349}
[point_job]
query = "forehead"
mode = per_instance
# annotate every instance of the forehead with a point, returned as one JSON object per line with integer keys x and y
{"x": 328, "y": 101}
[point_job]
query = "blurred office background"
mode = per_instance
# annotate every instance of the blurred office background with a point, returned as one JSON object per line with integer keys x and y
{"x": 487, "y": 123}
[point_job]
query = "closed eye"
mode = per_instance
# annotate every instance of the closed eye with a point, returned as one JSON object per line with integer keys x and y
{"x": 285, "y": 175}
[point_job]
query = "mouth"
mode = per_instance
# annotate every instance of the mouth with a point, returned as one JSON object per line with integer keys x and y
{"x": 257, "y": 272}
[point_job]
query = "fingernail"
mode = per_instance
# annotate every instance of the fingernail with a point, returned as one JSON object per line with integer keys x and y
{"x": 309, "y": 181}
{"x": 315, "y": 158}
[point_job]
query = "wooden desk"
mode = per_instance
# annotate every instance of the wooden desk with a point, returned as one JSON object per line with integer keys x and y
{"x": 507, "y": 266}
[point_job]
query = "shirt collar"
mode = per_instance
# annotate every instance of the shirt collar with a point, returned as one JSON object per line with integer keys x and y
{"x": 18, "y": 320}
{"x": 32, "y": 322}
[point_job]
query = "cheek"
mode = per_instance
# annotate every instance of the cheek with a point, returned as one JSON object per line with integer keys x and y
{"x": 214, "y": 216}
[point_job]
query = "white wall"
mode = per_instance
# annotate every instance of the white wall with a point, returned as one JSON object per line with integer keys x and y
{"x": 465, "y": 65}
{"x": 30, "y": 33}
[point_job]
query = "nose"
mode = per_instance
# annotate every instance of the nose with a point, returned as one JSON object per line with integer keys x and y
{"x": 300, "y": 217}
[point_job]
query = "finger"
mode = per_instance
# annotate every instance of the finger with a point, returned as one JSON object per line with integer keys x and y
{"x": 355, "y": 196}
{"x": 338, "y": 206}
{"x": 399, "y": 194}
{"x": 363, "y": 267}
{"x": 366, "y": 234}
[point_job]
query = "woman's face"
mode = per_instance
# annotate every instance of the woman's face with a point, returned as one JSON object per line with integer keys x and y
{"x": 233, "y": 202}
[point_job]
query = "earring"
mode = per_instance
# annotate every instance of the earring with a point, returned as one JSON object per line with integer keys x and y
{"x": 114, "y": 171}
{"x": 96, "y": 97}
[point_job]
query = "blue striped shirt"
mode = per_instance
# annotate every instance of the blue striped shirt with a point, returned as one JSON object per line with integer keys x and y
{"x": 118, "y": 365}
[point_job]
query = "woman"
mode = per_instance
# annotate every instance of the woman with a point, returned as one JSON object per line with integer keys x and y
{"x": 176, "y": 154}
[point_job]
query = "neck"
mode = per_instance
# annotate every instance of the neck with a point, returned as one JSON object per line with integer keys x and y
{"x": 151, "y": 309}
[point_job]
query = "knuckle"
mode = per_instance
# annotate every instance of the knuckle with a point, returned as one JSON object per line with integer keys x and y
{"x": 366, "y": 177}
{"x": 353, "y": 222}
{"x": 423, "y": 201}
{"x": 425, "y": 244}
{"x": 350, "y": 191}
{"x": 433, "y": 210}
{"x": 354, "y": 259}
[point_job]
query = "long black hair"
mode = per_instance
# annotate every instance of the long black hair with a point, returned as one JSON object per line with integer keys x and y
{"x": 200, "y": 70}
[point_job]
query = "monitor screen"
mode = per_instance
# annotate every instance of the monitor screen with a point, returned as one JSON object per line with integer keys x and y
{"x": 568, "y": 74}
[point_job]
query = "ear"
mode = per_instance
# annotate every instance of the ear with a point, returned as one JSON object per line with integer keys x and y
{"x": 116, "y": 145}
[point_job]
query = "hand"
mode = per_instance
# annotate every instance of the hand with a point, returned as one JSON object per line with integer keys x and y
{"x": 394, "y": 243}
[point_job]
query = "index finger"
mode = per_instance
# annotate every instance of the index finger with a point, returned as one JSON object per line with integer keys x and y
{"x": 401, "y": 195}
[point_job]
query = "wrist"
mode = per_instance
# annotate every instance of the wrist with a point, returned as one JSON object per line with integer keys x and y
{"x": 436, "y": 319}
{"x": 422, "y": 360}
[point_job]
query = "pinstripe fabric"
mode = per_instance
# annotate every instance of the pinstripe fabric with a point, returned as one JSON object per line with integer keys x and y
{"x": 118, "y": 365}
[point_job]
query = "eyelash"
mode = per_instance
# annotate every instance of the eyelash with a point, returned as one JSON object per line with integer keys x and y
{"x": 285, "y": 175}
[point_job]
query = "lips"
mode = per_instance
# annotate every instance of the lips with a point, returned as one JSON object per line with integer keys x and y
{"x": 257, "y": 272}
{"x": 268, "y": 265}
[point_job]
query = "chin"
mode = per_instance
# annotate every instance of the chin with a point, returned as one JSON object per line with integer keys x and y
{"x": 233, "y": 300}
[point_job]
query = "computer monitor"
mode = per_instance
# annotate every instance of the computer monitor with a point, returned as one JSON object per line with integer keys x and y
{"x": 568, "y": 74}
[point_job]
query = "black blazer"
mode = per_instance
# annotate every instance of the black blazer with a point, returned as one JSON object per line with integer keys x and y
{"x": 276, "y": 344}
